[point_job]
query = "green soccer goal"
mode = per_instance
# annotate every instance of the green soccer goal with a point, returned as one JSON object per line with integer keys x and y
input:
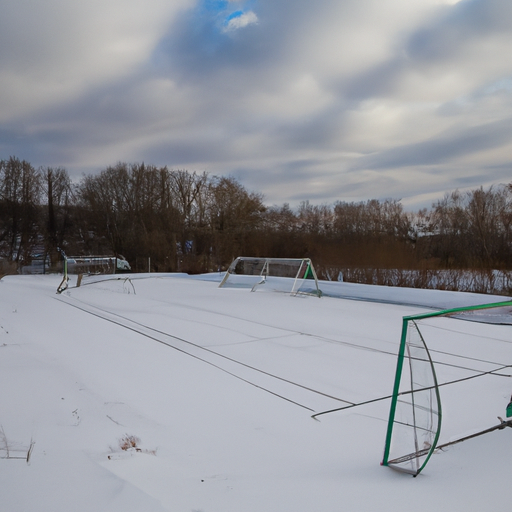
{"x": 466, "y": 363}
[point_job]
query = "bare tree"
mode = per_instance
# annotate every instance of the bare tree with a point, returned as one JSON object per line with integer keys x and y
{"x": 188, "y": 192}
{"x": 19, "y": 198}
{"x": 58, "y": 192}
{"x": 234, "y": 215}
{"x": 473, "y": 229}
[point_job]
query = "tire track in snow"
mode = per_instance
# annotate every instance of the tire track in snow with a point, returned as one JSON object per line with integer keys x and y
{"x": 229, "y": 365}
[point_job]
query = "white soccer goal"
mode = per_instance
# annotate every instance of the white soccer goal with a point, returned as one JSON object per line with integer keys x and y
{"x": 291, "y": 275}
{"x": 81, "y": 265}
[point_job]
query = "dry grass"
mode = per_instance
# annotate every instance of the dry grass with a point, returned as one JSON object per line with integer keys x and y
{"x": 131, "y": 443}
{"x": 127, "y": 442}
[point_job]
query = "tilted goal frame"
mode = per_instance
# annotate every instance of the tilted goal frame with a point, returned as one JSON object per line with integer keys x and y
{"x": 415, "y": 458}
{"x": 265, "y": 266}
{"x": 87, "y": 264}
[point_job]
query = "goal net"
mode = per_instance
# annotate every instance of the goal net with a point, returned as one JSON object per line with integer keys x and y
{"x": 291, "y": 275}
{"x": 461, "y": 356}
{"x": 91, "y": 265}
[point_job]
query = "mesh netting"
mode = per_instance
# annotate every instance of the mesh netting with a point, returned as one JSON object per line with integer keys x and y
{"x": 418, "y": 409}
{"x": 272, "y": 274}
{"x": 469, "y": 361}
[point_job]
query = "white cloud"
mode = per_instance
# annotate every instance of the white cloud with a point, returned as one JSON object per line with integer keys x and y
{"x": 240, "y": 21}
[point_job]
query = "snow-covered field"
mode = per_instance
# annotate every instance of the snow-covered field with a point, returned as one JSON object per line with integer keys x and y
{"x": 212, "y": 392}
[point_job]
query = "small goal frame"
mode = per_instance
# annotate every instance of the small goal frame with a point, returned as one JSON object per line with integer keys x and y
{"x": 88, "y": 264}
{"x": 265, "y": 268}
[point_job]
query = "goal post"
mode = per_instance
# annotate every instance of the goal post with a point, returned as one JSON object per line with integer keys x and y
{"x": 291, "y": 275}
{"x": 467, "y": 360}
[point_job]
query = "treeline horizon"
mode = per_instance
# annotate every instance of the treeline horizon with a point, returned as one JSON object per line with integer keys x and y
{"x": 196, "y": 222}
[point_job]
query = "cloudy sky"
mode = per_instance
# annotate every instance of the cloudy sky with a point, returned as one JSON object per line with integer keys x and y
{"x": 322, "y": 100}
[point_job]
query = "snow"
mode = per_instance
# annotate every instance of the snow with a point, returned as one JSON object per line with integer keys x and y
{"x": 217, "y": 388}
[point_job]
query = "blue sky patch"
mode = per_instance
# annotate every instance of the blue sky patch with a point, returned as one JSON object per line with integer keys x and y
{"x": 215, "y": 5}
{"x": 218, "y": 13}
{"x": 233, "y": 15}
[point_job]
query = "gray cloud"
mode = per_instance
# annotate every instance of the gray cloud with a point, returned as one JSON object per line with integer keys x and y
{"x": 443, "y": 148}
{"x": 466, "y": 24}
{"x": 317, "y": 100}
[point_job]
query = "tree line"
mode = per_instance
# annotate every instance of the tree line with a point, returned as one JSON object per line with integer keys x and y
{"x": 195, "y": 222}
